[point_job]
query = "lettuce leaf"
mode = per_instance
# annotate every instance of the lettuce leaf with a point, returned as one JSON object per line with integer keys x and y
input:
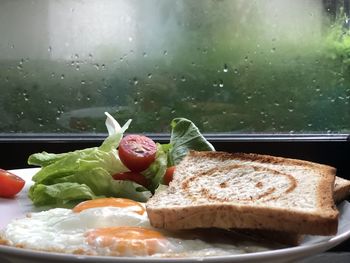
{"x": 156, "y": 170}
{"x": 185, "y": 136}
{"x": 59, "y": 194}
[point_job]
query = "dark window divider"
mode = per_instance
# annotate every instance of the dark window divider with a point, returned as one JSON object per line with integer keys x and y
{"x": 327, "y": 149}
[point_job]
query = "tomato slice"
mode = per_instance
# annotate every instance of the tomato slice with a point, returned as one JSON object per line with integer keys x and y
{"x": 137, "y": 152}
{"x": 132, "y": 176}
{"x": 10, "y": 184}
{"x": 168, "y": 176}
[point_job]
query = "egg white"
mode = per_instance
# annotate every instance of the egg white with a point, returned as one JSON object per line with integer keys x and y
{"x": 62, "y": 230}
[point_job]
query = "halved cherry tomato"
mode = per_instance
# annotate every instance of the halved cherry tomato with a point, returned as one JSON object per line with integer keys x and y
{"x": 10, "y": 184}
{"x": 132, "y": 176}
{"x": 137, "y": 152}
{"x": 168, "y": 176}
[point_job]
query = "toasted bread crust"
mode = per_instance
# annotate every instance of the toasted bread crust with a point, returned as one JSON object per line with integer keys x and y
{"x": 341, "y": 189}
{"x": 228, "y": 216}
{"x": 183, "y": 210}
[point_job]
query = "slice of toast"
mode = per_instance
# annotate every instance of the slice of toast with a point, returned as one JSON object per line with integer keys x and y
{"x": 247, "y": 191}
{"x": 341, "y": 189}
{"x": 341, "y": 193}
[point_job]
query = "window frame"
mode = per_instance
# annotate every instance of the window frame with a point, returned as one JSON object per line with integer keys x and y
{"x": 330, "y": 149}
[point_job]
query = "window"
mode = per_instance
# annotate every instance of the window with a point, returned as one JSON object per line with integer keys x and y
{"x": 268, "y": 76}
{"x": 230, "y": 66}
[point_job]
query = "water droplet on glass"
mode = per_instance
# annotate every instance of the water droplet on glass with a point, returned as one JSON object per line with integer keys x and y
{"x": 97, "y": 66}
{"x": 136, "y": 81}
{"x": 83, "y": 82}
{"x": 149, "y": 75}
{"x": 225, "y": 67}
{"x": 25, "y": 96}
{"x": 77, "y": 67}
{"x": 90, "y": 56}
{"x": 49, "y": 49}
{"x": 221, "y": 83}
{"x": 52, "y": 74}
{"x": 144, "y": 54}
{"x": 165, "y": 52}
{"x": 235, "y": 71}
{"x": 62, "y": 76}
{"x": 273, "y": 50}
{"x": 183, "y": 79}
{"x": 76, "y": 56}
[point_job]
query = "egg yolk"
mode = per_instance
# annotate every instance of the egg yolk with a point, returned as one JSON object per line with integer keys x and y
{"x": 127, "y": 240}
{"x": 116, "y": 202}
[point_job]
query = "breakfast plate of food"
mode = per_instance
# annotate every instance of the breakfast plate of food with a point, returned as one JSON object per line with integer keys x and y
{"x": 134, "y": 200}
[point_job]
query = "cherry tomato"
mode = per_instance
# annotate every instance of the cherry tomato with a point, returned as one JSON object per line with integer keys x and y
{"x": 132, "y": 176}
{"x": 10, "y": 184}
{"x": 137, "y": 152}
{"x": 168, "y": 176}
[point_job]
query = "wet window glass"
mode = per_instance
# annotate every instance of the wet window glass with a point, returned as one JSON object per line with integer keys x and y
{"x": 235, "y": 66}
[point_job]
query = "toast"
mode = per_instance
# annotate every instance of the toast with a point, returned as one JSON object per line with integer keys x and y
{"x": 341, "y": 193}
{"x": 341, "y": 189}
{"x": 247, "y": 191}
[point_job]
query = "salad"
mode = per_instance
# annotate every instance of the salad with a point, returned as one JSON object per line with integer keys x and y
{"x": 130, "y": 166}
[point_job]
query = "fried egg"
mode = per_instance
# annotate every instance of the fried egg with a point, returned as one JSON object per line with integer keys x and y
{"x": 111, "y": 227}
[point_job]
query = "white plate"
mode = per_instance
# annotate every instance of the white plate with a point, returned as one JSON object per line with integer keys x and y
{"x": 19, "y": 206}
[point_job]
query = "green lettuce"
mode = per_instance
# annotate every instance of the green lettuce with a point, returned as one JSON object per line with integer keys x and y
{"x": 185, "y": 136}
{"x": 155, "y": 172}
{"x": 67, "y": 178}
{"x": 61, "y": 194}
{"x": 83, "y": 174}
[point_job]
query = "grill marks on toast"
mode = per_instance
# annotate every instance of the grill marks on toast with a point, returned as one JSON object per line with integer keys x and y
{"x": 254, "y": 187}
